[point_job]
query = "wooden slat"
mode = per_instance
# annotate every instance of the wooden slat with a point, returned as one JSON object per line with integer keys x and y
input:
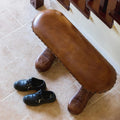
{"x": 65, "y": 3}
{"x": 102, "y": 9}
{"x": 81, "y": 5}
{"x": 116, "y": 13}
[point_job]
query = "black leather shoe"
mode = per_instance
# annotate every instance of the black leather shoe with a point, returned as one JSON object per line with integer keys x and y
{"x": 30, "y": 84}
{"x": 39, "y": 98}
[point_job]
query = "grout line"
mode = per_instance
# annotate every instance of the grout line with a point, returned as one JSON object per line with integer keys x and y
{"x": 13, "y": 31}
{"x": 92, "y": 103}
{"x": 117, "y": 90}
{"x": 14, "y": 17}
{"x": 1, "y": 12}
{"x": 27, "y": 116}
{"x": 7, "y": 96}
{"x": 105, "y": 94}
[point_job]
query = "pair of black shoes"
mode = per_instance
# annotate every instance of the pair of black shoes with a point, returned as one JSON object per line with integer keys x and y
{"x": 40, "y": 97}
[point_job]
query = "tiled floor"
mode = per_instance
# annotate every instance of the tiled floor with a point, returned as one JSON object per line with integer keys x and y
{"x": 19, "y": 48}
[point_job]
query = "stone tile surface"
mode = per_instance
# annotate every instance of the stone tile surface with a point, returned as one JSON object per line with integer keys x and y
{"x": 19, "y": 48}
{"x": 7, "y": 23}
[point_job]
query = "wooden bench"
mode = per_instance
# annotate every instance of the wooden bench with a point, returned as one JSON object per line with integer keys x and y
{"x": 83, "y": 61}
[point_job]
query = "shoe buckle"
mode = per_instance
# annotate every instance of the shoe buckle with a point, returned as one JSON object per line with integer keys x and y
{"x": 39, "y": 100}
{"x": 29, "y": 85}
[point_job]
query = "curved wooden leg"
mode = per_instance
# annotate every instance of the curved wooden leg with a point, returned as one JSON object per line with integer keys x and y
{"x": 44, "y": 61}
{"x": 79, "y": 101}
{"x": 37, "y": 3}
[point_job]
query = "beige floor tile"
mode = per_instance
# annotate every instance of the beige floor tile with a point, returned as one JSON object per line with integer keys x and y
{"x": 3, "y": 4}
{"x": 57, "y": 74}
{"x": 27, "y": 117}
{"x": 19, "y": 48}
{"x": 46, "y": 111}
{"x": 18, "y": 52}
{"x": 12, "y": 72}
{"x": 23, "y": 43}
{"x": 24, "y": 11}
{"x": 117, "y": 85}
{"x": 13, "y": 108}
{"x": 95, "y": 98}
{"x": 7, "y": 23}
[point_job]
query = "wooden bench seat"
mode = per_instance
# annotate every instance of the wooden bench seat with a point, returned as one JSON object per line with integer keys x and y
{"x": 83, "y": 61}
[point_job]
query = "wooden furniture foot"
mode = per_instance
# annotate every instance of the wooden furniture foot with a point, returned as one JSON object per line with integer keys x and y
{"x": 44, "y": 61}
{"x": 79, "y": 101}
{"x": 37, "y": 3}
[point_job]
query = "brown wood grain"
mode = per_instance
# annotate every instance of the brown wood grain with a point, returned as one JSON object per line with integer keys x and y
{"x": 116, "y": 13}
{"x": 85, "y": 63}
{"x": 102, "y": 11}
{"x": 65, "y": 3}
{"x": 81, "y": 5}
{"x": 37, "y": 3}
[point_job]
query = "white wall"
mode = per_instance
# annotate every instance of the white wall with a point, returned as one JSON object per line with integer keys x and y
{"x": 106, "y": 40}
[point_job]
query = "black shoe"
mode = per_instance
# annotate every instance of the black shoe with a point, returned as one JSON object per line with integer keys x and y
{"x": 30, "y": 84}
{"x": 39, "y": 98}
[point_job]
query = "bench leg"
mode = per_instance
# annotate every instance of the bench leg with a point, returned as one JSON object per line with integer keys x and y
{"x": 44, "y": 61}
{"x": 79, "y": 101}
{"x": 37, "y": 3}
{"x": 65, "y": 3}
